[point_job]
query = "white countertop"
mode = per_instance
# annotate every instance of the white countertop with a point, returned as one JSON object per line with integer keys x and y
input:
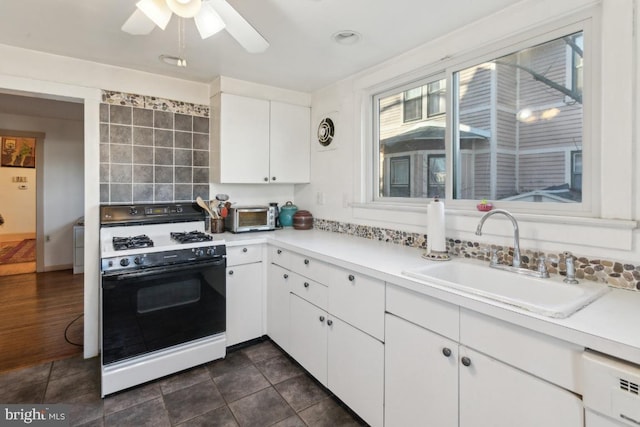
{"x": 609, "y": 325}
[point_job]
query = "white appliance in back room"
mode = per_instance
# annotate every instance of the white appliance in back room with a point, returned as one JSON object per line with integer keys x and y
{"x": 163, "y": 292}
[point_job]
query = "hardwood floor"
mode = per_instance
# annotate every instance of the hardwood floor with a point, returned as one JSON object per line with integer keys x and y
{"x": 35, "y": 310}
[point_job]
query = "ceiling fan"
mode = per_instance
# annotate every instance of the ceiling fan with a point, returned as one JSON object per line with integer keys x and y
{"x": 211, "y": 16}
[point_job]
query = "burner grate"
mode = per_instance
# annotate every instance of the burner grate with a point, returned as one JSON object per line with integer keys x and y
{"x": 190, "y": 237}
{"x": 132, "y": 242}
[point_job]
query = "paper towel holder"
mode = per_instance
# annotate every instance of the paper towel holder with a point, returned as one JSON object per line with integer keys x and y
{"x": 434, "y": 255}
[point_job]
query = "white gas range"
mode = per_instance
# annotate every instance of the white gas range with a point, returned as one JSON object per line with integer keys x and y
{"x": 163, "y": 292}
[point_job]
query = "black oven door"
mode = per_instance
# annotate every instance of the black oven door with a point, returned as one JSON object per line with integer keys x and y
{"x": 158, "y": 308}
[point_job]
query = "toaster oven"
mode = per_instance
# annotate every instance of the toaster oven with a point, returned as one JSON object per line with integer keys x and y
{"x": 250, "y": 218}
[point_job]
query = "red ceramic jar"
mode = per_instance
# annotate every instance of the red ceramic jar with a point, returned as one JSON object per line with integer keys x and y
{"x": 302, "y": 220}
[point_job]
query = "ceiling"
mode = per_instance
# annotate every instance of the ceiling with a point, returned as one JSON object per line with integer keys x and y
{"x": 302, "y": 55}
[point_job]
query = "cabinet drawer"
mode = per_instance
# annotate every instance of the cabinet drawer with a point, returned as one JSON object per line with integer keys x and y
{"x": 437, "y": 316}
{"x": 245, "y": 254}
{"x": 546, "y": 357}
{"x": 357, "y": 299}
{"x": 311, "y": 268}
{"x": 280, "y": 257}
{"x": 314, "y": 292}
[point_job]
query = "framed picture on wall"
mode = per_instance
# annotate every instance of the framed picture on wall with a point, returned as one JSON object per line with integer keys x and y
{"x": 18, "y": 152}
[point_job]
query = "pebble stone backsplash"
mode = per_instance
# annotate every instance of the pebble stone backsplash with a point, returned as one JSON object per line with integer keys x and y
{"x": 614, "y": 273}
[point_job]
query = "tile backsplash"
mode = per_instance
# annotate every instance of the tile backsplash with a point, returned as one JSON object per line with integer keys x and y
{"x": 152, "y": 149}
{"x": 614, "y": 273}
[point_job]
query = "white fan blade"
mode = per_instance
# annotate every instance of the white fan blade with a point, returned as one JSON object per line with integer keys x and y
{"x": 239, "y": 28}
{"x": 138, "y": 24}
{"x": 208, "y": 21}
{"x": 157, "y": 11}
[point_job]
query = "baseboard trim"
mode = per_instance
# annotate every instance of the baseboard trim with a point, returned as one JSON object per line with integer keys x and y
{"x": 58, "y": 267}
{"x": 14, "y": 237}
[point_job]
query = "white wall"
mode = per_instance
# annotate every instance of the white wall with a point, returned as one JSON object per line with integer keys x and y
{"x": 338, "y": 176}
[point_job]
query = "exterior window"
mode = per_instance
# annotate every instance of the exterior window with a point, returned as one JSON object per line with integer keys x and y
{"x": 411, "y": 155}
{"x": 512, "y": 145}
{"x": 576, "y": 170}
{"x": 400, "y": 172}
{"x": 576, "y": 49}
{"x": 412, "y": 104}
{"x": 436, "y": 98}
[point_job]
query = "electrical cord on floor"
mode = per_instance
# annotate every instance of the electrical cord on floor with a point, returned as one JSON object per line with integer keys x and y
{"x": 67, "y": 329}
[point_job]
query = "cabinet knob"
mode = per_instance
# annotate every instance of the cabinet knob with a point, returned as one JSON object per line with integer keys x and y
{"x": 286, "y": 276}
{"x": 266, "y": 179}
{"x": 352, "y": 278}
{"x": 446, "y": 351}
{"x": 329, "y": 322}
{"x": 273, "y": 178}
{"x": 279, "y": 251}
{"x": 466, "y": 361}
{"x": 230, "y": 272}
{"x": 306, "y": 284}
{"x": 306, "y": 262}
{"x": 322, "y": 318}
{"x": 244, "y": 249}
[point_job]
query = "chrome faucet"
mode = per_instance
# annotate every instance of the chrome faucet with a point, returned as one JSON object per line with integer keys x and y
{"x": 516, "y": 232}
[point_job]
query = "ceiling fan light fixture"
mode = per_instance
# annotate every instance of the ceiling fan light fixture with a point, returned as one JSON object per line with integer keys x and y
{"x": 174, "y": 60}
{"x": 156, "y": 10}
{"x": 208, "y": 21}
{"x": 185, "y": 8}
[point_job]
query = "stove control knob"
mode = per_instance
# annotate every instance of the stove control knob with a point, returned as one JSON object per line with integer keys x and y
{"x": 211, "y": 251}
{"x": 137, "y": 260}
{"x": 124, "y": 262}
{"x": 133, "y": 211}
{"x": 198, "y": 252}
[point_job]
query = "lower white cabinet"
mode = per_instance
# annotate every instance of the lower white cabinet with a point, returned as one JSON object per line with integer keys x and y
{"x": 278, "y": 279}
{"x": 421, "y": 381}
{"x": 344, "y": 359}
{"x": 432, "y": 380}
{"x": 244, "y": 303}
{"x": 495, "y": 394}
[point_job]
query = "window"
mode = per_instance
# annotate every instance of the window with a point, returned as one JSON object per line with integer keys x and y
{"x": 506, "y": 127}
{"x": 411, "y": 154}
{"x": 436, "y": 98}
{"x": 512, "y": 145}
{"x": 412, "y": 105}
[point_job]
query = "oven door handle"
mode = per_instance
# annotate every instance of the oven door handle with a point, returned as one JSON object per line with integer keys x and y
{"x": 118, "y": 276}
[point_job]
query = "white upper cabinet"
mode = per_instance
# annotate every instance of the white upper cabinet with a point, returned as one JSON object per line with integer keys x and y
{"x": 256, "y": 141}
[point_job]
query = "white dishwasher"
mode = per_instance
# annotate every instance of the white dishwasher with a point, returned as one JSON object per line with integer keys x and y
{"x": 611, "y": 396}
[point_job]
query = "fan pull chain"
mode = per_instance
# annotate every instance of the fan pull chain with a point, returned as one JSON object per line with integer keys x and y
{"x": 182, "y": 62}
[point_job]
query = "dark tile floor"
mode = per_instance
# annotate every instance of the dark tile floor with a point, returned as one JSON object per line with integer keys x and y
{"x": 257, "y": 385}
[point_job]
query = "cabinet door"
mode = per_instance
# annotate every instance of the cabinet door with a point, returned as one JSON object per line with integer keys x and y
{"x": 278, "y": 305}
{"x": 244, "y": 139}
{"x": 421, "y": 376}
{"x": 497, "y": 395}
{"x": 355, "y": 371}
{"x": 308, "y": 343}
{"x": 290, "y": 143}
{"x": 244, "y": 303}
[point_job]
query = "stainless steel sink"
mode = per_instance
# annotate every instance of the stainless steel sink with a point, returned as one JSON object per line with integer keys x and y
{"x": 548, "y": 297}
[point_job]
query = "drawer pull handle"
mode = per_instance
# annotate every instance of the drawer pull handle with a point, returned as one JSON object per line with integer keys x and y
{"x": 286, "y": 276}
{"x": 244, "y": 249}
{"x": 466, "y": 361}
{"x": 306, "y": 284}
{"x": 446, "y": 351}
{"x": 306, "y": 262}
{"x": 230, "y": 272}
{"x": 322, "y": 318}
{"x": 279, "y": 251}
{"x": 329, "y": 322}
{"x": 352, "y": 278}
{"x": 266, "y": 179}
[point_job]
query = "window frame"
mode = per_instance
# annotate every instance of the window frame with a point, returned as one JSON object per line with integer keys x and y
{"x": 448, "y": 66}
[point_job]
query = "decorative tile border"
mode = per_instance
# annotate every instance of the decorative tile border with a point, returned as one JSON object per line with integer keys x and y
{"x": 615, "y": 274}
{"x": 154, "y": 103}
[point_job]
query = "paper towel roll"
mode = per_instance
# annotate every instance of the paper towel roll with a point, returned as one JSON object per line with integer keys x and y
{"x": 436, "y": 227}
